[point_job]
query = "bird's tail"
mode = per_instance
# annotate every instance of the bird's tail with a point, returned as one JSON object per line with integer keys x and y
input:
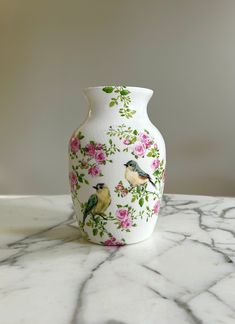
{"x": 152, "y": 183}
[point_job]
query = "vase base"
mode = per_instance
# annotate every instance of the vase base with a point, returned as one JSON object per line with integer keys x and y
{"x": 115, "y": 242}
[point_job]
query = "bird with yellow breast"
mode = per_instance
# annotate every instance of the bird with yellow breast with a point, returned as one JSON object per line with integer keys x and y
{"x": 98, "y": 203}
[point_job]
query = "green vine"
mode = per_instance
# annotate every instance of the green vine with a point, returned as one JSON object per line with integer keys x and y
{"x": 121, "y": 98}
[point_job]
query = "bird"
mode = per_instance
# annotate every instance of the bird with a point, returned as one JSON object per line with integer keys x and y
{"x": 135, "y": 175}
{"x": 98, "y": 202}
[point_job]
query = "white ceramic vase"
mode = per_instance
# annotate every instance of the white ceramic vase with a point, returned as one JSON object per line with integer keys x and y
{"x": 117, "y": 167}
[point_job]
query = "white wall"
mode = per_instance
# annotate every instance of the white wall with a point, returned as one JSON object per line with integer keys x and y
{"x": 50, "y": 50}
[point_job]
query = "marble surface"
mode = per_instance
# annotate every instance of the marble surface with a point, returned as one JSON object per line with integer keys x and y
{"x": 183, "y": 274}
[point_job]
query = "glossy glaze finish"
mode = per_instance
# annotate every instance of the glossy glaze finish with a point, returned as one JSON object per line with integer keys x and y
{"x": 117, "y": 167}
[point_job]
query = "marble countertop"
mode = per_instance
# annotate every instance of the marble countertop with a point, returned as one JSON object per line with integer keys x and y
{"x": 183, "y": 274}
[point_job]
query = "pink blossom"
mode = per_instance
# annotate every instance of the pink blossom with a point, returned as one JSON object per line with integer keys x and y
{"x": 156, "y": 207}
{"x": 139, "y": 149}
{"x": 90, "y": 149}
{"x": 155, "y": 164}
{"x": 74, "y": 144}
{"x": 94, "y": 171}
{"x": 112, "y": 242}
{"x": 126, "y": 141}
{"x": 155, "y": 146}
{"x": 121, "y": 189}
{"x": 73, "y": 179}
{"x": 100, "y": 156}
{"x": 122, "y": 213}
{"x": 99, "y": 146}
{"x": 145, "y": 139}
{"x": 108, "y": 243}
{"x": 126, "y": 223}
{"x": 119, "y": 186}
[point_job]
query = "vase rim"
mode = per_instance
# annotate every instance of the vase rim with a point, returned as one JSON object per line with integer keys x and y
{"x": 127, "y": 87}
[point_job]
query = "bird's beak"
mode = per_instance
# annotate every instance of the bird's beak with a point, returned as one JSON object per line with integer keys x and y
{"x": 125, "y": 165}
{"x": 94, "y": 187}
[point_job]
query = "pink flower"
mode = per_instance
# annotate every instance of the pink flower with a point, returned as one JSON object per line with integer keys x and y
{"x": 73, "y": 179}
{"x": 99, "y": 146}
{"x": 121, "y": 189}
{"x": 119, "y": 186}
{"x": 126, "y": 141}
{"x": 112, "y": 242}
{"x": 90, "y": 149}
{"x": 156, "y": 207}
{"x": 155, "y": 146}
{"x": 126, "y": 223}
{"x": 100, "y": 156}
{"x": 94, "y": 171}
{"x": 155, "y": 164}
{"x": 122, "y": 213}
{"x": 145, "y": 139}
{"x": 139, "y": 149}
{"x": 108, "y": 243}
{"x": 74, "y": 144}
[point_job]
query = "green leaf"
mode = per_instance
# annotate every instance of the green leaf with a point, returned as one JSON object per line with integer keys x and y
{"x": 95, "y": 231}
{"x": 110, "y": 141}
{"x": 108, "y": 89}
{"x": 150, "y": 154}
{"x": 135, "y": 132}
{"x": 141, "y": 202}
{"x": 124, "y": 92}
{"x": 112, "y": 103}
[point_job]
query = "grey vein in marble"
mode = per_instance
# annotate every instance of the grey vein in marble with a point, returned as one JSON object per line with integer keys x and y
{"x": 183, "y": 274}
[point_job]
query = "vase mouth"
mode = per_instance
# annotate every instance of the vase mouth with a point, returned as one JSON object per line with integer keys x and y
{"x": 131, "y": 88}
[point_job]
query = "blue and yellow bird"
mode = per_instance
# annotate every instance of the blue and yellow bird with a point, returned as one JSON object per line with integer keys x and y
{"x": 135, "y": 175}
{"x": 98, "y": 202}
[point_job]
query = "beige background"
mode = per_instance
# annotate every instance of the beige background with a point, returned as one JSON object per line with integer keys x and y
{"x": 183, "y": 49}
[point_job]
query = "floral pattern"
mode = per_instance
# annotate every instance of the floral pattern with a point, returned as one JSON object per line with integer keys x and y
{"x": 140, "y": 145}
{"x": 121, "y": 97}
{"x": 94, "y": 156}
{"x": 88, "y": 162}
{"x": 112, "y": 241}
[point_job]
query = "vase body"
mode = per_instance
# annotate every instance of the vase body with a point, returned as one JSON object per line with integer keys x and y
{"x": 117, "y": 167}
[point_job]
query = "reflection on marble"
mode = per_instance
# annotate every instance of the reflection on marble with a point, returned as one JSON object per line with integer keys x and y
{"x": 183, "y": 274}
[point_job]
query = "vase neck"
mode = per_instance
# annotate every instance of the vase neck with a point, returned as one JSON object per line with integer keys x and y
{"x": 118, "y": 102}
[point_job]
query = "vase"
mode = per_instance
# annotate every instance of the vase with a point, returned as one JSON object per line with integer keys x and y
{"x": 117, "y": 167}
